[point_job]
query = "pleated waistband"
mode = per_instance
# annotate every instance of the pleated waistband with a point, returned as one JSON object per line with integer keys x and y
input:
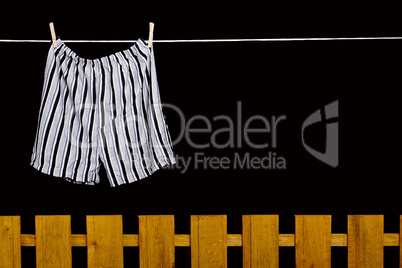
{"x": 138, "y": 50}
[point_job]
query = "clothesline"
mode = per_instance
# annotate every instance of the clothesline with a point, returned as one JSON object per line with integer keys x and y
{"x": 213, "y": 40}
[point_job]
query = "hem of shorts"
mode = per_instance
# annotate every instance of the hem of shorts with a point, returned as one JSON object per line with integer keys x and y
{"x": 92, "y": 183}
{"x": 68, "y": 179}
{"x": 163, "y": 163}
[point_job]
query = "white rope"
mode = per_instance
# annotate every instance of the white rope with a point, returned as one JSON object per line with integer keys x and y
{"x": 213, "y": 40}
{"x": 278, "y": 39}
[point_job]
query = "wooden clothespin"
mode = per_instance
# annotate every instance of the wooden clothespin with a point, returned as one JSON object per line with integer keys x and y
{"x": 53, "y": 33}
{"x": 151, "y": 34}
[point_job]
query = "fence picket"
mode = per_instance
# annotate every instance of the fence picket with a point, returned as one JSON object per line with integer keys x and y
{"x": 53, "y": 241}
{"x": 260, "y": 241}
{"x": 313, "y": 240}
{"x": 10, "y": 242}
{"x": 365, "y": 241}
{"x": 105, "y": 241}
{"x": 157, "y": 241}
{"x": 208, "y": 241}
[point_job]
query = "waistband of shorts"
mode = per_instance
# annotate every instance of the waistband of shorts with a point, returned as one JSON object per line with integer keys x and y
{"x": 114, "y": 57}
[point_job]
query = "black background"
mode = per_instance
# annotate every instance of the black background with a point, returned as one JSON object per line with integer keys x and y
{"x": 269, "y": 78}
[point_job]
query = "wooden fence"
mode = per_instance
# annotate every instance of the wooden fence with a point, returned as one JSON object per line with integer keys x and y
{"x": 156, "y": 239}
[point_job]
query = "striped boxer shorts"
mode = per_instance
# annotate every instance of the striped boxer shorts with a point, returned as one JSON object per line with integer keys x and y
{"x": 101, "y": 111}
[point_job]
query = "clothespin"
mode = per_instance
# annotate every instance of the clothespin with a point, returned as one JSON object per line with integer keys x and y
{"x": 151, "y": 34}
{"x": 53, "y": 33}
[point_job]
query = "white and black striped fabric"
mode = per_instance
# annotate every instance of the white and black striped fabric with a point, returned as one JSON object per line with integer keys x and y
{"x": 105, "y": 110}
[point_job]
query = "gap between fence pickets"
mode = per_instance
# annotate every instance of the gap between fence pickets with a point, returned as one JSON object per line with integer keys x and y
{"x": 233, "y": 240}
